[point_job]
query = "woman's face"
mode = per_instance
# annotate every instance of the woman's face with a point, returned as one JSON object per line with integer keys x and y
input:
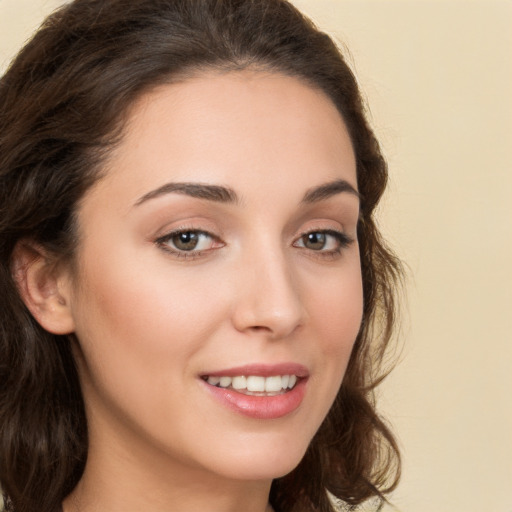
{"x": 218, "y": 264}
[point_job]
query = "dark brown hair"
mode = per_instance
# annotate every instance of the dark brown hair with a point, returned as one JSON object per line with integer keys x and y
{"x": 62, "y": 106}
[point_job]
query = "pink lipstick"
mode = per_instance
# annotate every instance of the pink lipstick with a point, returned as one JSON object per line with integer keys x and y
{"x": 259, "y": 391}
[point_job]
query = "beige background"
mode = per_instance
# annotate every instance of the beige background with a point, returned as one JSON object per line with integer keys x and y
{"x": 438, "y": 77}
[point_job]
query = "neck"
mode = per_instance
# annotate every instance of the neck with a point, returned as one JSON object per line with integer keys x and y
{"x": 94, "y": 495}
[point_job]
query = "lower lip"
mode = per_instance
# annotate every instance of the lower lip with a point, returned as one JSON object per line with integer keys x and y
{"x": 260, "y": 407}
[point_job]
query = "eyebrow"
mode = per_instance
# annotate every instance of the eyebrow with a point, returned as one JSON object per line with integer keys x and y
{"x": 215, "y": 193}
{"x": 222, "y": 194}
{"x": 328, "y": 190}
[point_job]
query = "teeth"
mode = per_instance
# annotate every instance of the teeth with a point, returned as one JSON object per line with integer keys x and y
{"x": 213, "y": 380}
{"x": 225, "y": 382}
{"x": 255, "y": 383}
{"x": 239, "y": 382}
{"x": 273, "y": 383}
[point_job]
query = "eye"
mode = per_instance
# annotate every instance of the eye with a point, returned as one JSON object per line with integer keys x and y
{"x": 327, "y": 241}
{"x": 188, "y": 241}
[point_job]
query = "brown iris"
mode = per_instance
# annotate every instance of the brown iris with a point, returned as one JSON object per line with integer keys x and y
{"x": 186, "y": 241}
{"x": 314, "y": 241}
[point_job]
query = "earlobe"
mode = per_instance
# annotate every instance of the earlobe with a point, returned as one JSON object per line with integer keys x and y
{"x": 44, "y": 287}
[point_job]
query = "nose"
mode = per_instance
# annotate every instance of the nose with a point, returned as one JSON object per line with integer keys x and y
{"x": 268, "y": 299}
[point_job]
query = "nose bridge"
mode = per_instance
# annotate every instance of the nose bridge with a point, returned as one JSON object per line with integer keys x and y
{"x": 269, "y": 292}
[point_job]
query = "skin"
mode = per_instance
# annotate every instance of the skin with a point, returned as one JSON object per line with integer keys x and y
{"x": 150, "y": 321}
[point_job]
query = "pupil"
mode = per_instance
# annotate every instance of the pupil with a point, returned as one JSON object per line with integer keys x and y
{"x": 186, "y": 241}
{"x": 315, "y": 241}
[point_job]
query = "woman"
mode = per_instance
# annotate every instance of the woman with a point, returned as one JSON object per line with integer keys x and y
{"x": 196, "y": 297}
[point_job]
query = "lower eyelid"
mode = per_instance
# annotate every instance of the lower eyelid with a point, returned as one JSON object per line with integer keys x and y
{"x": 165, "y": 240}
{"x": 342, "y": 241}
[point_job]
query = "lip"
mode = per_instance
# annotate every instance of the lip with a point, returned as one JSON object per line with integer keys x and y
{"x": 262, "y": 370}
{"x": 260, "y": 407}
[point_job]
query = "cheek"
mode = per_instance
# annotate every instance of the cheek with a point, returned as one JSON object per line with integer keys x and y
{"x": 138, "y": 339}
{"x": 139, "y": 304}
{"x": 336, "y": 310}
{"x": 143, "y": 327}
{"x": 336, "y": 314}
{"x": 127, "y": 322}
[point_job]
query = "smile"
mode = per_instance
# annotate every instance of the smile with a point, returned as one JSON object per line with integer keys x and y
{"x": 259, "y": 391}
{"x": 254, "y": 385}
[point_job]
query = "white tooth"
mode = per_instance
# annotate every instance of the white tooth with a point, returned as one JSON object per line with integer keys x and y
{"x": 284, "y": 381}
{"x": 225, "y": 382}
{"x": 255, "y": 383}
{"x": 292, "y": 381}
{"x": 239, "y": 382}
{"x": 273, "y": 383}
{"x": 213, "y": 380}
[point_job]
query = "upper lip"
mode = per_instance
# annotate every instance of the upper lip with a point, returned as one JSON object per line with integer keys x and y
{"x": 262, "y": 370}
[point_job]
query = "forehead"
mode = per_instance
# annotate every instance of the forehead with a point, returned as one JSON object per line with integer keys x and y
{"x": 246, "y": 129}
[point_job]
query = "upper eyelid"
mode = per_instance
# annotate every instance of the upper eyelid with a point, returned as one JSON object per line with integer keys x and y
{"x": 169, "y": 234}
{"x": 328, "y": 231}
{"x": 322, "y": 230}
{"x": 183, "y": 229}
{"x": 164, "y": 243}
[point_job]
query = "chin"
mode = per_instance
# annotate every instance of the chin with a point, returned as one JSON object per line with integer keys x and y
{"x": 262, "y": 462}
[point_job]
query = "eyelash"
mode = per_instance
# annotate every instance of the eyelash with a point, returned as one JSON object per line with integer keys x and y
{"x": 164, "y": 243}
{"x": 342, "y": 242}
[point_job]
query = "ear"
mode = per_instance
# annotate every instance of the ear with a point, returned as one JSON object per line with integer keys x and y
{"x": 44, "y": 286}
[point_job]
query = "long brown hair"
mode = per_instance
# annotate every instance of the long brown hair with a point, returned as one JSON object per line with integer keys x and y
{"x": 62, "y": 106}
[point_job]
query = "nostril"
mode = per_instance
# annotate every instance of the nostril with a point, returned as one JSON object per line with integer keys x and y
{"x": 260, "y": 328}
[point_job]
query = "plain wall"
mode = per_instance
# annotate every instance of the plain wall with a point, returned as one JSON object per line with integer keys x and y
{"x": 438, "y": 78}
